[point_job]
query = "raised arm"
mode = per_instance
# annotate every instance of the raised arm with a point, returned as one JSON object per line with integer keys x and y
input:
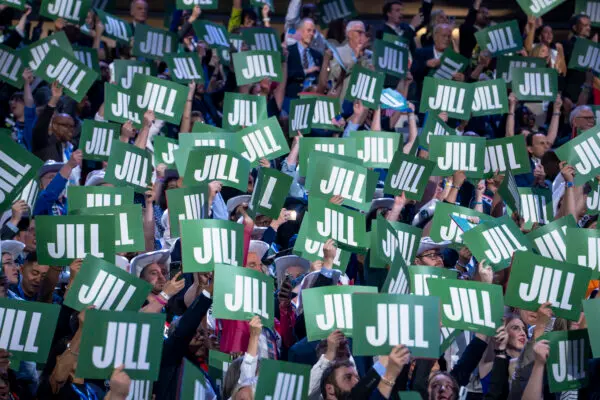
{"x": 534, "y": 389}
{"x": 510, "y": 117}
{"x": 142, "y": 137}
{"x": 413, "y": 131}
{"x": 554, "y": 122}
{"x": 186, "y": 119}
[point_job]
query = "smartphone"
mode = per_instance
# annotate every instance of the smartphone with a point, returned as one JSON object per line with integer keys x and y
{"x": 174, "y": 269}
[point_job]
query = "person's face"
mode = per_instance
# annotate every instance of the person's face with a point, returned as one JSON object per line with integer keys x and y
{"x": 139, "y": 11}
{"x": 253, "y": 262}
{"x": 17, "y": 108}
{"x": 199, "y": 345}
{"x": 244, "y": 393}
{"x": 295, "y": 271}
{"x": 584, "y": 27}
{"x": 395, "y": 14}
{"x": 33, "y": 275}
{"x": 11, "y": 269}
{"x": 89, "y": 19}
{"x": 308, "y": 33}
{"x": 441, "y": 18}
{"x": 172, "y": 184}
{"x": 4, "y": 389}
{"x": 27, "y": 237}
{"x": 517, "y": 337}
{"x": 584, "y": 120}
{"x": 529, "y": 317}
{"x": 156, "y": 275}
{"x": 249, "y": 22}
{"x": 483, "y": 17}
{"x": 345, "y": 379}
{"x": 539, "y": 145}
{"x": 544, "y": 52}
{"x": 547, "y": 35}
{"x": 46, "y": 179}
{"x": 357, "y": 35}
{"x": 430, "y": 258}
{"x": 442, "y": 38}
{"x": 63, "y": 126}
{"x": 105, "y": 72}
{"x": 441, "y": 387}
{"x": 528, "y": 118}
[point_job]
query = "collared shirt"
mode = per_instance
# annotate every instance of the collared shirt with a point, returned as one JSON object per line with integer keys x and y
{"x": 301, "y": 51}
{"x": 436, "y": 54}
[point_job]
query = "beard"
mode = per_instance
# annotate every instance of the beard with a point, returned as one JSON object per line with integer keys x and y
{"x": 341, "y": 394}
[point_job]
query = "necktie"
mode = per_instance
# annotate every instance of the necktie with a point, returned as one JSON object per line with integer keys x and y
{"x": 305, "y": 59}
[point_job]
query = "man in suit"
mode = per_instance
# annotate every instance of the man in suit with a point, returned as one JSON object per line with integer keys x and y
{"x": 139, "y": 12}
{"x": 392, "y": 14}
{"x": 477, "y": 19}
{"x": 428, "y": 58}
{"x": 304, "y": 63}
{"x": 581, "y": 27}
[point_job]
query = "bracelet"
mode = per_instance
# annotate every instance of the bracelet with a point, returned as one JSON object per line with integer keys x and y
{"x": 455, "y": 187}
{"x": 388, "y": 382}
{"x": 556, "y": 113}
{"x": 478, "y": 202}
{"x": 164, "y": 296}
{"x": 500, "y": 352}
{"x": 266, "y": 19}
{"x": 570, "y": 184}
{"x": 160, "y": 300}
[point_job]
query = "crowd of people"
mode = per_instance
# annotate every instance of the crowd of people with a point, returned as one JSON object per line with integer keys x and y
{"x": 320, "y": 56}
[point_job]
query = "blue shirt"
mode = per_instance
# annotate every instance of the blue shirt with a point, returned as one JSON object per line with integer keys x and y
{"x": 49, "y": 202}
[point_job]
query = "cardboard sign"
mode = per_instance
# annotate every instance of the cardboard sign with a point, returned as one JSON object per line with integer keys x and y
{"x": 444, "y": 228}
{"x": 591, "y": 8}
{"x": 326, "y": 109}
{"x": 19, "y": 167}
{"x": 500, "y": 38}
{"x": 301, "y": 114}
{"x": 397, "y": 280}
{"x": 583, "y": 153}
{"x": 506, "y": 64}
{"x": 472, "y": 306}
{"x": 420, "y": 275}
{"x": 243, "y": 110}
{"x": 584, "y": 248}
{"x": 382, "y": 321}
{"x": 153, "y": 43}
{"x": 107, "y": 287}
{"x": 538, "y": 8}
{"x": 535, "y": 84}
{"x": 30, "y": 326}
{"x": 166, "y": 99}
{"x": 71, "y": 11}
{"x": 36, "y": 52}
{"x": 506, "y": 154}
{"x": 212, "y": 163}
{"x": 215, "y": 35}
{"x": 550, "y": 240}
{"x": 269, "y": 194}
{"x": 96, "y": 139}
{"x": 11, "y": 67}
{"x": 331, "y": 10}
{"x": 376, "y": 148}
{"x": 366, "y": 86}
{"x": 338, "y": 146}
{"x": 591, "y": 309}
{"x": 433, "y": 126}
{"x": 115, "y": 28}
{"x": 457, "y": 153}
{"x": 190, "y": 4}
{"x": 536, "y": 205}
{"x": 254, "y": 66}
{"x": 186, "y": 204}
{"x": 129, "y": 338}
{"x": 129, "y": 165}
{"x": 185, "y": 68}
{"x": 206, "y": 243}
{"x": 454, "y": 98}
{"x": 62, "y": 67}
{"x": 409, "y": 175}
{"x": 451, "y": 63}
{"x": 329, "y": 308}
{"x": 281, "y": 380}
{"x": 98, "y": 196}
{"x": 390, "y": 59}
{"x": 164, "y": 151}
{"x": 489, "y": 98}
{"x": 62, "y": 239}
{"x": 125, "y": 70}
{"x": 309, "y": 247}
{"x": 263, "y": 39}
{"x": 241, "y": 293}
{"x": 567, "y": 364}
{"x": 392, "y": 239}
{"x": 564, "y": 285}
{"x": 120, "y": 107}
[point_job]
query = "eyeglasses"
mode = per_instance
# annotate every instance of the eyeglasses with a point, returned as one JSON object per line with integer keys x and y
{"x": 437, "y": 254}
{"x": 362, "y": 33}
{"x": 590, "y": 118}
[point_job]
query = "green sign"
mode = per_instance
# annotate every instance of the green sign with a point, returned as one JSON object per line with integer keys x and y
{"x": 98, "y": 196}
{"x": 11, "y": 67}
{"x": 129, "y": 338}
{"x": 254, "y": 66}
{"x": 19, "y": 167}
{"x": 129, "y": 165}
{"x": 376, "y": 148}
{"x": 243, "y": 110}
{"x": 444, "y": 228}
{"x": 186, "y": 204}
{"x": 550, "y": 240}
{"x": 62, "y": 67}
{"x": 185, "y": 67}
{"x": 409, "y": 175}
{"x": 218, "y": 364}
{"x": 382, "y": 321}
{"x": 337, "y": 146}
{"x": 567, "y": 364}
{"x": 71, "y": 11}
{"x": 309, "y": 247}
{"x": 593, "y": 199}
{"x": 500, "y": 38}
{"x": 341, "y": 176}
{"x": 538, "y": 8}
{"x": 96, "y": 139}
{"x": 506, "y": 64}
{"x": 215, "y": 35}
{"x": 535, "y": 84}
{"x": 27, "y": 329}
{"x": 18, "y": 4}
{"x": 420, "y": 276}
{"x": 189, "y": 141}
{"x": 326, "y": 109}
{"x": 164, "y": 151}
{"x": 241, "y": 293}
{"x": 194, "y": 385}
{"x": 331, "y": 10}
{"x": 206, "y": 243}
{"x": 263, "y": 39}
{"x": 505, "y": 154}
{"x": 125, "y": 70}
{"x": 433, "y": 126}
{"x": 496, "y": 241}
{"x": 584, "y": 56}
{"x": 36, "y": 52}
{"x": 215, "y": 164}
{"x": 489, "y": 98}
{"x": 330, "y": 308}
{"x": 583, "y": 153}
{"x": 204, "y": 4}
{"x": 88, "y": 57}
{"x": 301, "y": 113}
{"x": 454, "y": 98}
{"x": 269, "y": 194}
{"x": 535, "y": 280}
{"x": 129, "y": 231}
{"x": 591, "y": 8}
{"x": 166, "y": 99}
{"x": 536, "y": 205}
{"x": 468, "y": 305}
{"x": 282, "y": 380}
{"x": 458, "y": 153}
{"x": 106, "y": 287}
{"x": 584, "y": 249}
{"x": 591, "y": 309}
{"x": 391, "y": 59}
{"x": 397, "y": 280}
{"x": 62, "y": 239}
{"x": 119, "y": 106}
{"x": 390, "y": 239}
{"x": 115, "y": 28}
{"x": 451, "y": 63}
{"x": 366, "y": 86}
{"x": 153, "y": 43}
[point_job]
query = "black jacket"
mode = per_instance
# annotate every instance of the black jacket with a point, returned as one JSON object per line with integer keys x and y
{"x": 296, "y": 75}
{"x": 44, "y": 145}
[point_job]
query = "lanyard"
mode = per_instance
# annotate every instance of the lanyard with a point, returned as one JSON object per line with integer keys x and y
{"x": 90, "y": 395}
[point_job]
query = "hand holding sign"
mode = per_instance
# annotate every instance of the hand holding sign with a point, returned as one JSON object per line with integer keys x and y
{"x": 542, "y": 351}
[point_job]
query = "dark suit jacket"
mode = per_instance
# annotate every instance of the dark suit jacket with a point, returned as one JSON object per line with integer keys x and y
{"x": 296, "y": 75}
{"x": 467, "y": 34}
{"x": 575, "y": 79}
{"x": 419, "y": 68}
{"x": 408, "y": 33}
{"x": 43, "y": 145}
